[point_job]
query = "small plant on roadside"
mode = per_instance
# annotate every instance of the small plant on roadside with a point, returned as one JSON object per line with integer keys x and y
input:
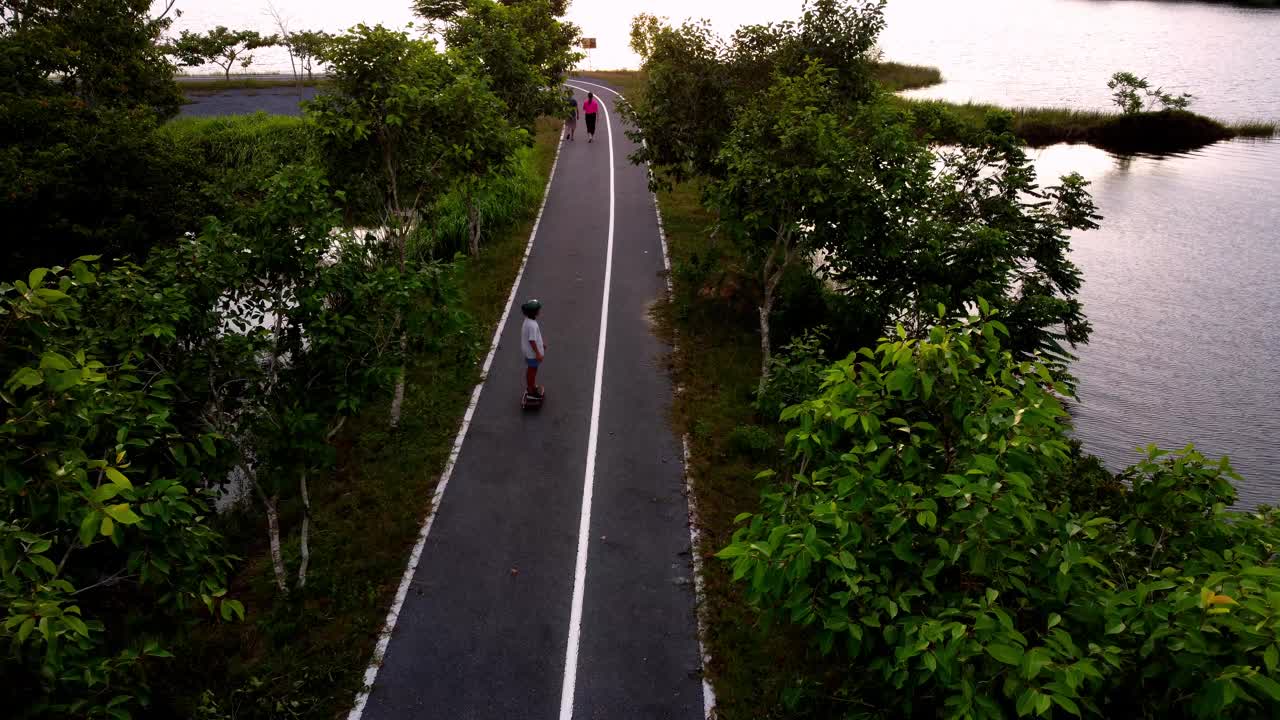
{"x": 752, "y": 441}
{"x": 796, "y": 373}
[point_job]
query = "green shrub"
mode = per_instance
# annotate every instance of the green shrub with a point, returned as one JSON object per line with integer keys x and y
{"x": 795, "y": 373}
{"x": 924, "y": 537}
{"x": 752, "y": 441}
{"x": 86, "y": 180}
{"x": 1162, "y": 131}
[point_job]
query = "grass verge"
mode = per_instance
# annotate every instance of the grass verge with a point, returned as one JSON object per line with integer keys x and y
{"x": 209, "y": 85}
{"x": 628, "y": 82}
{"x": 754, "y": 669}
{"x": 304, "y": 657}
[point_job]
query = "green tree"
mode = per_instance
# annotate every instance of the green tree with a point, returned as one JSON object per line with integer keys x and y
{"x": 307, "y": 46}
{"x": 925, "y": 228}
{"x": 696, "y": 82}
{"x": 402, "y": 126}
{"x": 785, "y": 169}
{"x": 310, "y": 327}
{"x": 895, "y": 227}
{"x": 526, "y": 50}
{"x": 683, "y": 115}
{"x": 645, "y": 29}
{"x": 927, "y": 533}
{"x": 220, "y": 46}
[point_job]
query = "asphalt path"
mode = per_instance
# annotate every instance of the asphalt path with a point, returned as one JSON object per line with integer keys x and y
{"x": 554, "y": 579}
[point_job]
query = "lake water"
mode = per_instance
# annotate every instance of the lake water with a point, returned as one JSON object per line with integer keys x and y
{"x": 1182, "y": 285}
{"x": 1182, "y": 282}
{"x": 1062, "y": 52}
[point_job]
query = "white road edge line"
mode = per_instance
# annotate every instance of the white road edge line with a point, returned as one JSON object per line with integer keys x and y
{"x": 393, "y": 615}
{"x": 588, "y": 484}
{"x": 695, "y": 524}
{"x": 695, "y": 538}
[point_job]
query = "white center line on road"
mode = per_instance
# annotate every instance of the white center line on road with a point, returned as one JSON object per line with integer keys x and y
{"x": 695, "y": 533}
{"x": 584, "y": 525}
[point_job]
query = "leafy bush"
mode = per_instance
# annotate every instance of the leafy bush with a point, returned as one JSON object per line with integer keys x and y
{"x": 130, "y": 391}
{"x": 80, "y": 180}
{"x": 1163, "y": 131}
{"x": 104, "y": 512}
{"x": 1125, "y": 87}
{"x": 924, "y": 535}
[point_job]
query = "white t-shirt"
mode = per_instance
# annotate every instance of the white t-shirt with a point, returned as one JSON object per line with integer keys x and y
{"x": 531, "y": 332}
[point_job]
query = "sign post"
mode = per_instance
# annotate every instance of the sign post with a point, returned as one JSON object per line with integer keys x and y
{"x": 588, "y": 44}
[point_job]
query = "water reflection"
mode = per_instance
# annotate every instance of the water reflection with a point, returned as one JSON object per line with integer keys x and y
{"x": 1182, "y": 284}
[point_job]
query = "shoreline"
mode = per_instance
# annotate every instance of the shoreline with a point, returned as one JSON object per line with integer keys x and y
{"x": 943, "y": 120}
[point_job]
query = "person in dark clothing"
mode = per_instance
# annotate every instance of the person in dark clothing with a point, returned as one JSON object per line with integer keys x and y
{"x": 589, "y": 110}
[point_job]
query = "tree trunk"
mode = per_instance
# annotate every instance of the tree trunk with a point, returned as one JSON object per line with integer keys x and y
{"x": 766, "y": 309}
{"x": 772, "y": 275}
{"x": 273, "y": 528}
{"x": 273, "y": 532}
{"x": 305, "y": 548}
{"x": 397, "y": 400}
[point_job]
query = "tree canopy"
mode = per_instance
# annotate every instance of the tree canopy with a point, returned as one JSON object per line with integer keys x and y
{"x": 81, "y": 87}
{"x": 220, "y": 46}
{"x": 523, "y": 47}
{"x": 893, "y": 223}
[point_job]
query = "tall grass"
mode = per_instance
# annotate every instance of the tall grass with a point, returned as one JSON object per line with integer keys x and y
{"x": 238, "y": 143}
{"x": 1255, "y": 129}
{"x": 894, "y": 76}
{"x": 233, "y": 155}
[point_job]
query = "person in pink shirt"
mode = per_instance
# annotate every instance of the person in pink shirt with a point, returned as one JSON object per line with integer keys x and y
{"x": 589, "y": 110}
